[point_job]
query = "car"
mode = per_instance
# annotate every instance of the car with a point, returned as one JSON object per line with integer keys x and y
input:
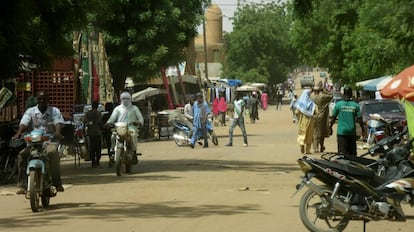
{"x": 307, "y": 81}
{"x": 388, "y": 109}
{"x": 337, "y": 96}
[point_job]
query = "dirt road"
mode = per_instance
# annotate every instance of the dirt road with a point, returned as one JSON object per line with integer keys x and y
{"x": 178, "y": 189}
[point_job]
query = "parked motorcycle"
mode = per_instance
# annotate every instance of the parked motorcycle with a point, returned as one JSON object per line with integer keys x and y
{"x": 9, "y": 149}
{"x": 379, "y": 162}
{"x": 379, "y": 128}
{"x": 352, "y": 191}
{"x": 124, "y": 155}
{"x": 182, "y": 132}
{"x": 80, "y": 143}
{"x": 39, "y": 180}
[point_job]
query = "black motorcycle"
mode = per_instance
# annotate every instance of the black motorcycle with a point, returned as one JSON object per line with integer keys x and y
{"x": 378, "y": 162}
{"x": 353, "y": 191}
{"x": 9, "y": 149}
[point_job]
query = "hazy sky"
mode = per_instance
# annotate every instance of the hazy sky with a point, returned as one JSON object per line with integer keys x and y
{"x": 228, "y": 7}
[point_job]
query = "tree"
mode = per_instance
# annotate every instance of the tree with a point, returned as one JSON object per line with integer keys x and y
{"x": 355, "y": 40}
{"x": 144, "y": 36}
{"x": 318, "y": 32}
{"x": 258, "y": 48}
{"x": 37, "y": 30}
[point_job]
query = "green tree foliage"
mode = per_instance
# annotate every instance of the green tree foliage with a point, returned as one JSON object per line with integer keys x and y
{"x": 354, "y": 39}
{"x": 258, "y": 48}
{"x": 144, "y": 36}
{"x": 318, "y": 33}
{"x": 38, "y": 30}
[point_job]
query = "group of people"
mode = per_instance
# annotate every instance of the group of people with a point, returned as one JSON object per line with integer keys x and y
{"x": 49, "y": 119}
{"x": 197, "y": 112}
{"x": 311, "y": 110}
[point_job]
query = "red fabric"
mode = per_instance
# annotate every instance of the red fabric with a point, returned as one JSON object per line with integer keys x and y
{"x": 215, "y": 106}
{"x": 401, "y": 85}
{"x": 222, "y": 105}
{"x": 263, "y": 99}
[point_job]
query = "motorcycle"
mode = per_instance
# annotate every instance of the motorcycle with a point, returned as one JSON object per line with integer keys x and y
{"x": 182, "y": 132}
{"x": 9, "y": 149}
{"x": 74, "y": 141}
{"x": 123, "y": 152}
{"x": 379, "y": 128}
{"x": 352, "y": 191}
{"x": 380, "y": 165}
{"x": 39, "y": 180}
{"x": 80, "y": 143}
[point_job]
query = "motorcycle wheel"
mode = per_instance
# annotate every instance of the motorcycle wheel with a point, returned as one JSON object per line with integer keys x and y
{"x": 180, "y": 142}
{"x": 317, "y": 215}
{"x": 128, "y": 161}
{"x": 45, "y": 198}
{"x": 371, "y": 139}
{"x": 84, "y": 152}
{"x": 35, "y": 187}
{"x": 118, "y": 161}
{"x": 213, "y": 138}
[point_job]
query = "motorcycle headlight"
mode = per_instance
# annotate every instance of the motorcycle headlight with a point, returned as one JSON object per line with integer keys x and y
{"x": 35, "y": 136}
{"x": 121, "y": 128}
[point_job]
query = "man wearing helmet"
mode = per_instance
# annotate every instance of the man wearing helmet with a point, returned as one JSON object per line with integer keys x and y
{"x": 129, "y": 113}
{"x": 348, "y": 113}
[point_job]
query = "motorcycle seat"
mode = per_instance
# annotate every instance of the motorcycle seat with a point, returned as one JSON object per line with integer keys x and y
{"x": 347, "y": 167}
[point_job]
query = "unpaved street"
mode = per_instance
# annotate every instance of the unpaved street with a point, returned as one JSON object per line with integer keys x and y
{"x": 179, "y": 189}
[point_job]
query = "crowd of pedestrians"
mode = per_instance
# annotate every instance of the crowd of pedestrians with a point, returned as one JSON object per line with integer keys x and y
{"x": 311, "y": 113}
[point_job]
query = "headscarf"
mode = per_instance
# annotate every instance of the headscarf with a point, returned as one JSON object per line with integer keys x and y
{"x": 215, "y": 106}
{"x": 126, "y": 99}
{"x": 222, "y": 105}
{"x": 304, "y": 104}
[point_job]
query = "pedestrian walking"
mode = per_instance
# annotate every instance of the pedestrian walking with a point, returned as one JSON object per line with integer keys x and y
{"x": 293, "y": 107}
{"x": 264, "y": 100}
{"x": 254, "y": 105}
{"x": 348, "y": 113}
{"x": 222, "y": 108}
{"x": 321, "y": 129}
{"x": 279, "y": 97}
{"x": 305, "y": 110}
{"x": 201, "y": 110}
{"x": 107, "y": 132}
{"x": 215, "y": 110}
{"x": 93, "y": 122}
{"x": 237, "y": 120}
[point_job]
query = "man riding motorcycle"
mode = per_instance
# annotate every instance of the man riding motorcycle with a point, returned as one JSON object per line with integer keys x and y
{"x": 129, "y": 113}
{"x": 49, "y": 119}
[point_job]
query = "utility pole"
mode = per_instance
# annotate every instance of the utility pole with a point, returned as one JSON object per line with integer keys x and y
{"x": 205, "y": 48}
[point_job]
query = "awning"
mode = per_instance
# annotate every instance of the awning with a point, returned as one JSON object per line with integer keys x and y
{"x": 374, "y": 84}
{"x": 148, "y": 92}
{"x": 247, "y": 88}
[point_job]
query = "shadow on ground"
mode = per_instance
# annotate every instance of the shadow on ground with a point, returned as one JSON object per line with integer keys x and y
{"x": 118, "y": 211}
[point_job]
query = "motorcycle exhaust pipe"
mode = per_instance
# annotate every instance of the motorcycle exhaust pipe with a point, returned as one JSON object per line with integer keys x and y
{"x": 342, "y": 207}
{"x": 314, "y": 188}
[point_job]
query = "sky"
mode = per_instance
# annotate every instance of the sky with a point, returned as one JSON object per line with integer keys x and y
{"x": 228, "y": 7}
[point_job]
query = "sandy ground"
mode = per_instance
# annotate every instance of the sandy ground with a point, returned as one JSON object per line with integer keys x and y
{"x": 179, "y": 189}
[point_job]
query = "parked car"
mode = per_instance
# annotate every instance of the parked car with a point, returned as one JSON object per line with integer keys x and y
{"x": 307, "y": 81}
{"x": 388, "y": 109}
{"x": 337, "y": 96}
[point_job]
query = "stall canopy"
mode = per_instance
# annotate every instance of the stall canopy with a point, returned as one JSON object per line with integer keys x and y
{"x": 146, "y": 93}
{"x": 247, "y": 88}
{"x": 374, "y": 84}
{"x": 401, "y": 85}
